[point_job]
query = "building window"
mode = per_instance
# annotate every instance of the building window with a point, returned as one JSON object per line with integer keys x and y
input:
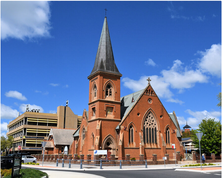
{"x": 94, "y": 91}
{"x": 109, "y": 90}
{"x": 93, "y": 111}
{"x": 167, "y": 135}
{"x": 131, "y": 134}
{"x": 109, "y": 111}
{"x": 92, "y": 140}
{"x": 83, "y": 133}
{"x": 150, "y": 130}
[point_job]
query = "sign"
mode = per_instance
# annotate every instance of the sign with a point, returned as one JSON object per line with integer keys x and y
{"x": 164, "y": 158}
{"x": 199, "y": 135}
{"x": 43, "y": 144}
{"x": 19, "y": 147}
{"x": 17, "y": 162}
{"x": 173, "y": 146}
{"x": 100, "y": 152}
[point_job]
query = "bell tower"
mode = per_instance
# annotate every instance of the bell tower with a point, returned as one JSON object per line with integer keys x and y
{"x": 104, "y": 90}
{"x": 104, "y": 81}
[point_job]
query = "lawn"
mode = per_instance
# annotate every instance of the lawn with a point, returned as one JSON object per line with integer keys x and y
{"x": 30, "y": 173}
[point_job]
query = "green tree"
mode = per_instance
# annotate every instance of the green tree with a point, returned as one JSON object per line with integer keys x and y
{"x": 211, "y": 139}
{"x": 219, "y": 98}
{"x": 6, "y": 143}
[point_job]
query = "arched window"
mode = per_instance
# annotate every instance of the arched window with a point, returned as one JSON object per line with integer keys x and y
{"x": 167, "y": 135}
{"x": 150, "y": 130}
{"x": 92, "y": 140}
{"x": 109, "y": 90}
{"x": 83, "y": 133}
{"x": 131, "y": 134}
{"x": 94, "y": 91}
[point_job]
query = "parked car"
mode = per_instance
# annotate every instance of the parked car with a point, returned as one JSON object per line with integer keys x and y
{"x": 28, "y": 158}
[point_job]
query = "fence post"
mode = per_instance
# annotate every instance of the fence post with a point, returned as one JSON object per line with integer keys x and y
{"x": 145, "y": 163}
{"x": 100, "y": 163}
{"x": 80, "y": 163}
{"x": 120, "y": 164}
{"x": 57, "y": 162}
{"x": 69, "y": 163}
{"x": 62, "y": 162}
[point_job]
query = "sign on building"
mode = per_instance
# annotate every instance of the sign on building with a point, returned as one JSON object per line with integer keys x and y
{"x": 173, "y": 146}
{"x": 100, "y": 152}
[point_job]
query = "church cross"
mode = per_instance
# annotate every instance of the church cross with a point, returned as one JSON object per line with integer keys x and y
{"x": 148, "y": 80}
{"x": 105, "y": 12}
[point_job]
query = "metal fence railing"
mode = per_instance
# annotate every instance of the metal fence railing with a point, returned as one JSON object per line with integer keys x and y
{"x": 100, "y": 163}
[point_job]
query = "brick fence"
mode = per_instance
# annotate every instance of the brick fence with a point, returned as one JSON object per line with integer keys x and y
{"x": 113, "y": 161}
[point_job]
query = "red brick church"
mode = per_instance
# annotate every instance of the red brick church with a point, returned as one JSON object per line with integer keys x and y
{"x": 136, "y": 124}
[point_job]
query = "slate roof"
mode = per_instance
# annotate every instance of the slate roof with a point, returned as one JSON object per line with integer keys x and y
{"x": 49, "y": 144}
{"x": 175, "y": 123}
{"x": 104, "y": 58}
{"x": 184, "y": 139}
{"x": 128, "y": 101}
{"x": 186, "y": 127}
{"x": 76, "y": 133}
{"x": 62, "y": 136}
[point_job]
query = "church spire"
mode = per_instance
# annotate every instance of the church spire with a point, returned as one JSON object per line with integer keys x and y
{"x": 104, "y": 61}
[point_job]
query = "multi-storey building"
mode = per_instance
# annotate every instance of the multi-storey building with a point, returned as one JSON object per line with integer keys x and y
{"x": 32, "y": 127}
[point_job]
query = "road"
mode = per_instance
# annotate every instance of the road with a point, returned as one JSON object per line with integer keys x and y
{"x": 132, "y": 174}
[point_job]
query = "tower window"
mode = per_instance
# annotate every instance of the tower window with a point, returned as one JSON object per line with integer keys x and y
{"x": 94, "y": 91}
{"x": 93, "y": 111}
{"x": 109, "y": 111}
{"x": 108, "y": 90}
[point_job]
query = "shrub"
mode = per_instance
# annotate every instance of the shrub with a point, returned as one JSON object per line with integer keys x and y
{"x": 133, "y": 159}
{"x": 6, "y": 172}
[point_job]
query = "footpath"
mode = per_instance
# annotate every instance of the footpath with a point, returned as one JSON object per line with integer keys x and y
{"x": 58, "y": 171}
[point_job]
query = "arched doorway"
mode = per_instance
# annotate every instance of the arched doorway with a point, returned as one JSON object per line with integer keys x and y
{"x": 109, "y": 145}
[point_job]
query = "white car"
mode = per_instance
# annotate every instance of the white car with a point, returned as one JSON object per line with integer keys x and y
{"x": 28, "y": 158}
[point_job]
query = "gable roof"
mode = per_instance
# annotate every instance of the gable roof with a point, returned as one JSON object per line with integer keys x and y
{"x": 104, "y": 58}
{"x": 62, "y": 136}
{"x": 128, "y": 101}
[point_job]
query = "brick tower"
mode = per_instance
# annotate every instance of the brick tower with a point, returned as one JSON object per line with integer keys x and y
{"x": 104, "y": 97}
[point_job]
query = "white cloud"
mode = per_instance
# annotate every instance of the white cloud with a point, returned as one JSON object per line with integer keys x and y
{"x": 181, "y": 120}
{"x": 3, "y": 134}
{"x": 177, "y": 77}
{"x": 24, "y": 19}
{"x": 54, "y": 84}
{"x": 181, "y": 78}
{"x": 8, "y": 113}
{"x": 24, "y": 106}
{"x": 198, "y": 116}
{"x": 15, "y": 94}
{"x": 150, "y": 62}
{"x": 211, "y": 60}
{"x": 4, "y": 126}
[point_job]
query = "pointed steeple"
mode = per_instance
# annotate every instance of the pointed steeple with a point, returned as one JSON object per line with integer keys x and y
{"x": 104, "y": 58}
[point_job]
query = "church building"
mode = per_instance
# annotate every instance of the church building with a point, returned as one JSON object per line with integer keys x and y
{"x": 136, "y": 124}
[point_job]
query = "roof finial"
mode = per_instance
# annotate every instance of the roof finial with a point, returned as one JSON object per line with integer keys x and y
{"x": 105, "y": 12}
{"x": 148, "y": 80}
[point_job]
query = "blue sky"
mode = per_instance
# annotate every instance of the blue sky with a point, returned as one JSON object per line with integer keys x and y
{"x": 48, "y": 50}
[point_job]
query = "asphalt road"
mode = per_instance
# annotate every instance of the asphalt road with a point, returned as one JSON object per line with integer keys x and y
{"x": 143, "y": 173}
{"x": 155, "y": 174}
